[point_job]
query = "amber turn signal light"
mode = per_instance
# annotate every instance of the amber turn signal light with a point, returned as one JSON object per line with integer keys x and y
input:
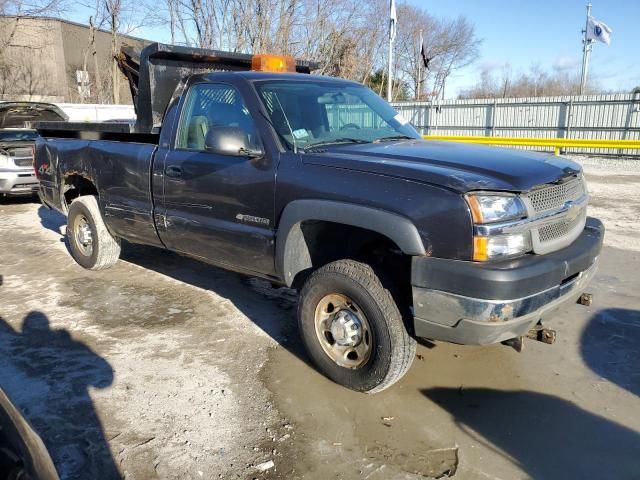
{"x": 480, "y": 249}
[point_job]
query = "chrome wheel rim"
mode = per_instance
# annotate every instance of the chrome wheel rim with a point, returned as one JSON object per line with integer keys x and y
{"x": 343, "y": 331}
{"x": 83, "y": 236}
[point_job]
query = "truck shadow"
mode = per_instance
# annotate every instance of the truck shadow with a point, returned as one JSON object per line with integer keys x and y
{"x": 546, "y": 436}
{"x": 610, "y": 346}
{"x": 52, "y": 220}
{"x": 48, "y": 375}
{"x": 270, "y": 309}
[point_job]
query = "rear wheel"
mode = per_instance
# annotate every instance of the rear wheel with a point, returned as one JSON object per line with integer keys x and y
{"x": 352, "y": 328}
{"x": 91, "y": 244}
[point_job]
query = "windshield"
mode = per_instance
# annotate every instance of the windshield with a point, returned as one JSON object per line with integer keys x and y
{"x": 18, "y": 135}
{"x": 313, "y": 113}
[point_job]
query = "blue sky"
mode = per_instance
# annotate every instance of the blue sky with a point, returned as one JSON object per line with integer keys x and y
{"x": 548, "y": 33}
{"x": 521, "y": 33}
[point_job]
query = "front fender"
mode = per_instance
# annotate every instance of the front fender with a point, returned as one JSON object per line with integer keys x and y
{"x": 292, "y": 253}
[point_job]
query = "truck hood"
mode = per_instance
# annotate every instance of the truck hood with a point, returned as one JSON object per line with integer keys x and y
{"x": 15, "y": 114}
{"x": 458, "y": 166}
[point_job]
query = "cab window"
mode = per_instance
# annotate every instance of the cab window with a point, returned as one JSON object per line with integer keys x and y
{"x": 312, "y": 112}
{"x": 210, "y": 105}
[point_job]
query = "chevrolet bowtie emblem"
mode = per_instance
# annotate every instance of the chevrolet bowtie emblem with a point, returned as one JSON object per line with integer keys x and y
{"x": 573, "y": 211}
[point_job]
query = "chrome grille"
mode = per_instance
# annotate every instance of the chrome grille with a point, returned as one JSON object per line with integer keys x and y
{"x": 23, "y": 162}
{"x": 559, "y": 229}
{"x": 563, "y": 230}
{"x": 555, "y": 196}
{"x": 20, "y": 152}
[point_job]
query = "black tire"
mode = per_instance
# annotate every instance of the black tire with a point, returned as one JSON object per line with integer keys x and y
{"x": 105, "y": 248}
{"x": 392, "y": 348}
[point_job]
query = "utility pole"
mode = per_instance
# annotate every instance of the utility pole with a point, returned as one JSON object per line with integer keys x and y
{"x": 587, "y": 46}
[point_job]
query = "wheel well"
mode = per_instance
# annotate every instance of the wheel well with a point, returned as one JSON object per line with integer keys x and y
{"x": 76, "y": 186}
{"x": 322, "y": 242}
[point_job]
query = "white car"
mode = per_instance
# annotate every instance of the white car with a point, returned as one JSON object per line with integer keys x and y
{"x": 17, "y": 176}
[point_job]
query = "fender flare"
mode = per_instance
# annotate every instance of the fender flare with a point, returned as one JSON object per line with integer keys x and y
{"x": 292, "y": 253}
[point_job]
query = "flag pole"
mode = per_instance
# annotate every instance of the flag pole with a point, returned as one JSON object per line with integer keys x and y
{"x": 390, "y": 76}
{"x": 419, "y": 89}
{"x": 586, "y": 50}
{"x": 393, "y": 19}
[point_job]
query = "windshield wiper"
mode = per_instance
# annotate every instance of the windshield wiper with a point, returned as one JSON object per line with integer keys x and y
{"x": 335, "y": 141}
{"x": 394, "y": 137}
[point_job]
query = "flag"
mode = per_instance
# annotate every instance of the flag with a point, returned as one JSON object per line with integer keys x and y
{"x": 425, "y": 60}
{"x": 393, "y": 20}
{"x": 598, "y": 31}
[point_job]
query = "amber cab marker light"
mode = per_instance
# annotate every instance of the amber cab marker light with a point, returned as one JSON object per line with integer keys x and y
{"x": 480, "y": 250}
{"x": 273, "y": 63}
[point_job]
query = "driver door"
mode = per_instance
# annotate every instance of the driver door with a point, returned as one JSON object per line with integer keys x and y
{"x": 217, "y": 207}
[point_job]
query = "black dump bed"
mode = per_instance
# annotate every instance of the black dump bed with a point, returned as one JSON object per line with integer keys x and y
{"x": 153, "y": 74}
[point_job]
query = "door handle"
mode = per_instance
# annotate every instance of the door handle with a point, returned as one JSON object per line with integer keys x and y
{"x": 173, "y": 171}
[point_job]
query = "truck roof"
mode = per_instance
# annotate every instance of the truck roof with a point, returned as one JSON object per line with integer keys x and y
{"x": 251, "y": 76}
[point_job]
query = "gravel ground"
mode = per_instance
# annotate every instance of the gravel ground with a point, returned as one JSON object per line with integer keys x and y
{"x": 615, "y": 198}
{"x": 162, "y": 367}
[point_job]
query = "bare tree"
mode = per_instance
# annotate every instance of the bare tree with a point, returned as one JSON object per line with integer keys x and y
{"x": 536, "y": 82}
{"x": 124, "y": 17}
{"x": 18, "y": 9}
{"x": 21, "y": 43}
{"x": 347, "y": 37}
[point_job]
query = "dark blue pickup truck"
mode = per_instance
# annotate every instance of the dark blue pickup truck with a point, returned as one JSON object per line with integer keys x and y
{"x": 318, "y": 184}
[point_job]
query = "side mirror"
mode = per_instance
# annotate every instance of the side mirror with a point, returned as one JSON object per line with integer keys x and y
{"x": 230, "y": 141}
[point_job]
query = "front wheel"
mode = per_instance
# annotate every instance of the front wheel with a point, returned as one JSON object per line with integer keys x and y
{"x": 90, "y": 242}
{"x": 352, "y": 328}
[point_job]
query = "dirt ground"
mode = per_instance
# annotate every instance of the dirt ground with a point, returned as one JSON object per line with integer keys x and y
{"x": 162, "y": 367}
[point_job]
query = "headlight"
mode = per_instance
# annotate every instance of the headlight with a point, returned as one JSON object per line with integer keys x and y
{"x": 501, "y": 246}
{"x": 5, "y": 160}
{"x": 492, "y": 208}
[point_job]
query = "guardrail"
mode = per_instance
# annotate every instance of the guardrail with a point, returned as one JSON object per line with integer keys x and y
{"x": 555, "y": 143}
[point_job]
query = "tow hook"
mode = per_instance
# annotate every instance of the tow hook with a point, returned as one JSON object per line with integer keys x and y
{"x": 539, "y": 333}
{"x": 586, "y": 299}
{"x": 542, "y": 334}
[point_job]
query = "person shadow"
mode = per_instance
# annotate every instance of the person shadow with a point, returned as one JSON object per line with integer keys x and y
{"x": 546, "y": 436}
{"x": 610, "y": 346}
{"x": 48, "y": 375}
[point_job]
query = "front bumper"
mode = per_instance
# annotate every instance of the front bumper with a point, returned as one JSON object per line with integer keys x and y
{"x": 18, "y": 182}
{"x": 478, "y": 304}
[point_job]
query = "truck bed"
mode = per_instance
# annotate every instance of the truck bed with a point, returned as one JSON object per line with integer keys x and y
{"x": 121, "y": 171}
{"x": 115, "y": 131}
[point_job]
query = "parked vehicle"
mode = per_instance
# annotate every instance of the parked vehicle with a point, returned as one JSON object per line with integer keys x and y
{"x": 23, "y": 455}
{"x": 16, "y": 144}
{"x": 316, "y": 183}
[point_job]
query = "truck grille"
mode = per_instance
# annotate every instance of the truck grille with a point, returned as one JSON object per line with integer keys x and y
{"x": 22, "y": 156}
{"x": 20, "y": 152}
{"x": 556, "y": 235}
{"x": 559, "y": 229}
{"x": 23, "y": 162}
{"x": 555, "y": 196}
